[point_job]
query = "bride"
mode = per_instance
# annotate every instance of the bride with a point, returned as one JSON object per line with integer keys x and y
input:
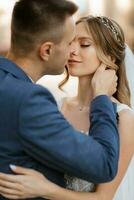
{"x": 98, "y": 40}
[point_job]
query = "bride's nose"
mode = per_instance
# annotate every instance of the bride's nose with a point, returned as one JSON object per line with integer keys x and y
{"x": 74, "y": 48}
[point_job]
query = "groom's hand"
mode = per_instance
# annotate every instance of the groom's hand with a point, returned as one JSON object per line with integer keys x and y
{"x": 104, "y": 81}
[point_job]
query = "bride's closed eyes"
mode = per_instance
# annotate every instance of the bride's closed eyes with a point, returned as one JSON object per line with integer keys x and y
{"x": 85, "y": 45}
{"x": 85, "y": 42}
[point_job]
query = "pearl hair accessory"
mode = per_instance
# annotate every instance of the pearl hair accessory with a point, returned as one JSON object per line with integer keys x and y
{"x": 106, "y": 22}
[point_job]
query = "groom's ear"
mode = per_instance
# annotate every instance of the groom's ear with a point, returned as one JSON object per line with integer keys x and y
{"x": 45, "y": 50}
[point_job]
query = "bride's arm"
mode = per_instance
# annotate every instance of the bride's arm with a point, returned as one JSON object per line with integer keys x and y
{"x": 61, "y": 193}
{"x": 32, "y": 184}
{"x": 126, "y": 131}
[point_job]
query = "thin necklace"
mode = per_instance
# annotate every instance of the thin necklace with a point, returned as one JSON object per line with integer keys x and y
{"x": 83, "y": 108}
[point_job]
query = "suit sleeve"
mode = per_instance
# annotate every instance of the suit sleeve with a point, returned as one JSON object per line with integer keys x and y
{"x": 50, "y": 139}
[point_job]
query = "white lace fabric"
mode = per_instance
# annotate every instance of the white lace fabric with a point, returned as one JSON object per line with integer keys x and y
{"x": 77, "y": 184}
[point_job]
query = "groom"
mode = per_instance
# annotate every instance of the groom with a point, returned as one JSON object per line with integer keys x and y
{"x": 33, "y": 133}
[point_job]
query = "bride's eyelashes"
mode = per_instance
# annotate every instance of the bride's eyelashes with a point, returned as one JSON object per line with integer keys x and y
{"x": 85, "y": 45}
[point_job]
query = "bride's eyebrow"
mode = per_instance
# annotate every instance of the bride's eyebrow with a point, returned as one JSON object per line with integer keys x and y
{"x": 85, "y": 38}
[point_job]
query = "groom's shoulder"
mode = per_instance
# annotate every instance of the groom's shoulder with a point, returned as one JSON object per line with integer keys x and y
{"x": 35, "y": 96}
{"x": 32, "y": 90}
{"x": 19, "y": 90}
{"x": 36, "y": 90}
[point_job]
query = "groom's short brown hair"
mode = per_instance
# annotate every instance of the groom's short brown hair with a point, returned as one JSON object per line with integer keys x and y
{"x": 37, "y": 21}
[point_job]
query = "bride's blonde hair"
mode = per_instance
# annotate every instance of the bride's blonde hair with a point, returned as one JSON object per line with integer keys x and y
{"x": 109, "y": 42}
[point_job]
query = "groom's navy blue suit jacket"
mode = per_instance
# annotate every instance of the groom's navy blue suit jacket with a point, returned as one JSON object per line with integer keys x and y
{"x": 34, "y": 134}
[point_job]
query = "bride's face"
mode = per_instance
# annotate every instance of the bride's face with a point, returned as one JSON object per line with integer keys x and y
{"x": 83, "y": 59}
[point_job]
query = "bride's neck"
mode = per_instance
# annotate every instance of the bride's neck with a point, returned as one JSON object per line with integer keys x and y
{"x": 84, "y": 95}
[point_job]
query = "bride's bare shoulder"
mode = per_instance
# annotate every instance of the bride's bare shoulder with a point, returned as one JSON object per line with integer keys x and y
{"x": 126, "y": 116}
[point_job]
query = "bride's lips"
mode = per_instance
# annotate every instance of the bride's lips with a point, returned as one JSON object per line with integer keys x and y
{"x": 71, "y": 61}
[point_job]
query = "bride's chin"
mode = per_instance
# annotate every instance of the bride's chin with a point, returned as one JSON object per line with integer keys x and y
{"x": 72, "y": 73}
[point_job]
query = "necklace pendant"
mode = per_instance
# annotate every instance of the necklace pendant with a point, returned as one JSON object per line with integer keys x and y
{"x": 84, "y": 109}
{"x": 80, "y": 109}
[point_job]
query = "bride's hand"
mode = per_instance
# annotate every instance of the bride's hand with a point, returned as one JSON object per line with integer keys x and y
{"x": 27, "y": 183}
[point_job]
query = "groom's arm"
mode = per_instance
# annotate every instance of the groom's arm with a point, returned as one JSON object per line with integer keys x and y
{"x": 103, "y": 128}
{"x": 50, "y": 139}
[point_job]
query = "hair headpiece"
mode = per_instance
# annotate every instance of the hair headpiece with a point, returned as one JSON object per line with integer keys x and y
{"x": 109, "y": 24}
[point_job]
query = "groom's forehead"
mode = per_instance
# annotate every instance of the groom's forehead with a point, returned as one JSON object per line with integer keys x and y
{"x": 70, "y": 29}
